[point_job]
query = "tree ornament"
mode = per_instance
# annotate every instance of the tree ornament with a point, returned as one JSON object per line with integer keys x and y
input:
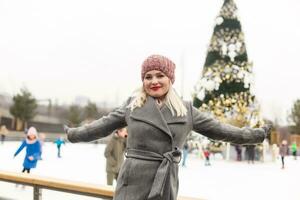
{"x": 219, "y": 20}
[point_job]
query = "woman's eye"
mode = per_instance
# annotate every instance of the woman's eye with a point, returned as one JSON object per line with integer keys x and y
{"x": 147, "y": 77}
{"x": 160, "y": 76}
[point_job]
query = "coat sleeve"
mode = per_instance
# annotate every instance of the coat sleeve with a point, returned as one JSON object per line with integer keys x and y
{"x": 99, "y": 128}
{"x": 214, "y": 129}
{"x": 23, "y": 144}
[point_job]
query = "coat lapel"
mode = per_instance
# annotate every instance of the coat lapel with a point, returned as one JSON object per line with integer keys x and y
{"x": 170, "y": 119}
{"x": 151, "y": 114}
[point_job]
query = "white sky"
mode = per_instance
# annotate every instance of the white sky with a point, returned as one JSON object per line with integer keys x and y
{"x": 65, "y": 48}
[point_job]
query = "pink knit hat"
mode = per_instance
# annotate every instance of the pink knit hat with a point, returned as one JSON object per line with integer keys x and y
{"x": 160, "y": 63}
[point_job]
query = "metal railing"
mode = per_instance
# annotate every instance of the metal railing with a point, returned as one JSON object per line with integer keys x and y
{"x": 39, "y": 182}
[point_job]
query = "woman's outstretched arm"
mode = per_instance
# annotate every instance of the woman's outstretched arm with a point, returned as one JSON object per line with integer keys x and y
{"x": 214, "y": 129}
{"x": 98, "y": 128}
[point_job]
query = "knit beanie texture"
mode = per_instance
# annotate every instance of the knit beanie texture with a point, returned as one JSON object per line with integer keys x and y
{"x": 160, "y": 63}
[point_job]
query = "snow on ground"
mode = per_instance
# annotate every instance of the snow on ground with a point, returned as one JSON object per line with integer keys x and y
{"x": 220, "y": 181}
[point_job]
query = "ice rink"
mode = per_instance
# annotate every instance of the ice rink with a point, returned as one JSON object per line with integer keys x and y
{"x": 223, "y": 180}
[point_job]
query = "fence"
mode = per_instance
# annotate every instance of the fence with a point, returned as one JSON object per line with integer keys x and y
{"x": 276, "y": 138}
{"x": 39, "y": 182}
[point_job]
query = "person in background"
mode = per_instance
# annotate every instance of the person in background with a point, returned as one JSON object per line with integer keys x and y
{"x": 3, "y": 132}
{"x": 238, "y": 149}
{"x": 158, "y": 123}
{"x": 259, "y": 152}
{"x": 275, "y": 152}
{"x": 250, "y": 151}
{"x": 185, "y": 151}
{"x": 42, "y": 138}
{"x": 33, "y": 150}
{"x": 206, "y": 156}
{"x": 59, "y": 141}
{"x": 294, "y": 150}
{"x": 283, "y": 151}
{"x": 114, "y": 154}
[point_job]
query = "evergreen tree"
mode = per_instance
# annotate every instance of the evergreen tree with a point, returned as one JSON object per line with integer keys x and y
{"x": 75, "y": 115}
{"x": 225, "y": 86}
{"x": 295, "y": 116}
{"x": 91, "y": 111}
{"x": 24, "y": 106}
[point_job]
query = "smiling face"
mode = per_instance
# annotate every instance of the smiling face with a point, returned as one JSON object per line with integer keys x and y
{"x": 156, "y": 84}
{"x": 31, "y": 137}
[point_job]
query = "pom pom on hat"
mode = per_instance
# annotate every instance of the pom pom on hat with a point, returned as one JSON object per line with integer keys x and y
{"x": 160, "y": 63}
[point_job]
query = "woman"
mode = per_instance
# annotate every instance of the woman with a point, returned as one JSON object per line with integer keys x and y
{"x": 283, "y": 151}
{"x": 158, "y": 122}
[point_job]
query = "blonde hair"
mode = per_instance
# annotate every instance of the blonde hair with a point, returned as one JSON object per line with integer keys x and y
{"x": 172, "y": 101}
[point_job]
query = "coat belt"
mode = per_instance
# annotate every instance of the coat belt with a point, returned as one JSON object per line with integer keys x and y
{"x": 166, "y": 159}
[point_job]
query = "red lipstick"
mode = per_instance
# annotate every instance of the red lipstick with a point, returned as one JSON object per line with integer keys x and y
{"x": 155, "y": 88}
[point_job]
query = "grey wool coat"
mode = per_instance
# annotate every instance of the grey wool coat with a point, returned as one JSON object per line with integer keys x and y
{"x": 155, "y": 137}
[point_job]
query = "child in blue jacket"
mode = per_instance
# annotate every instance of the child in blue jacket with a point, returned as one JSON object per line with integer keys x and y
{"x": 33, "y": 150}
{"x": 59, "y": 141}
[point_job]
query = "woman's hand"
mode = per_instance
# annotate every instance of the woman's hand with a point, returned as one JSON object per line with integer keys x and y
{"x": 68, "y": 131}
{"x": 66, "y": 128}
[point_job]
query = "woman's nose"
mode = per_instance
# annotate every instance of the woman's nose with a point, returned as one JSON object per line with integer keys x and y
{"x": 154, "y": 81}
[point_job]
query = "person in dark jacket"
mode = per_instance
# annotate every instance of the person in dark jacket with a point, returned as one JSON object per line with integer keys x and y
{"x": 250, "y": 152}
{"x": 238, "y": 149}
{"x": 33, "y": 150}
{"x": 158, "y": 122}
{"x": 114, "y": 154}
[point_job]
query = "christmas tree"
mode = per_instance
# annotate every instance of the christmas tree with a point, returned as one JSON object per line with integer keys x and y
{"x": 224, "y": 88}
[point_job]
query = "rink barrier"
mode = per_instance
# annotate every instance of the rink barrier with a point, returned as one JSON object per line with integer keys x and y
{"x": 40, "y": 182}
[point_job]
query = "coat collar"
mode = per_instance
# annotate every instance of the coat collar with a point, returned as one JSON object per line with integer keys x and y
{"x": 152, "y": 114}
{"x": 170, "y": 119}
